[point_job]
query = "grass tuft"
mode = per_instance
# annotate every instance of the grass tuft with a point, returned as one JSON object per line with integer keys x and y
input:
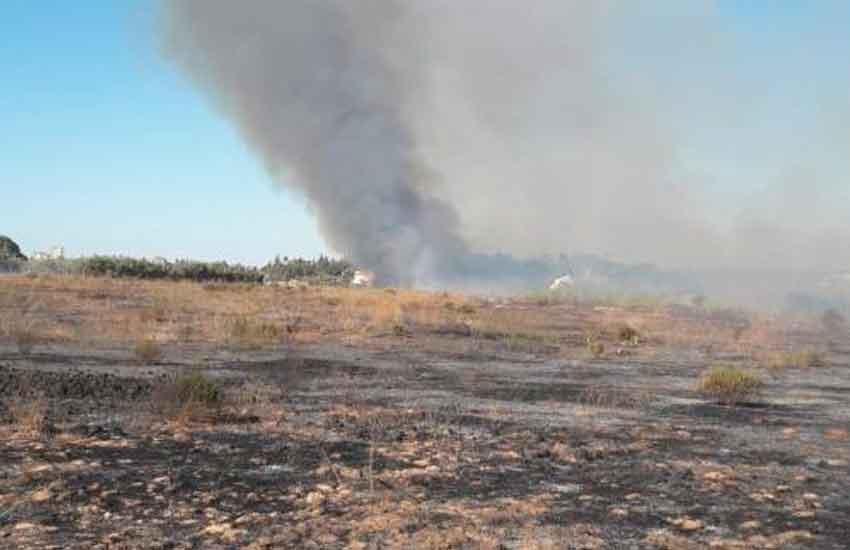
{"x": 247, "y": 332}
{"x": 147, "y": 350}
{"x": 187, "y": 396}
{"x": 804, "y": 359}
{"x": 730, "y": 385}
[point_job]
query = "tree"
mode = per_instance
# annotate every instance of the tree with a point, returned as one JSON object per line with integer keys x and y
{"x": 9, "y": 249}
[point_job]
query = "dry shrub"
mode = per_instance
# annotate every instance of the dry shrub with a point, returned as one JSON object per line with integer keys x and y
{"x": 187, "y": 396}
{"x": 147, "y": 350}
{"x": 386, "y": 313}
{"x": 730, "y": 385}
{"x": 247, "y": 332}
{"x": 29, "y": 414}
{"x": 626, "y": 333}
{"x": 519, "y": 342}
{"x": 799, "y": 359}
{"x": 25, "y": 339}
{"x": 612, "y": 398}
{"x": 833, "y": 321}
{"x": 595, "y": 347}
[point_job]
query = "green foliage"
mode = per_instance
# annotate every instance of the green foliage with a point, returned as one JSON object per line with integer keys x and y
{"x": 9, "y": 250}
{"x": 322, "y": 270}
{"x": 181, "y": 270}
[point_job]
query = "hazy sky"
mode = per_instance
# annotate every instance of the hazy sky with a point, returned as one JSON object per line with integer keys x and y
{"x": 107, "y": 149}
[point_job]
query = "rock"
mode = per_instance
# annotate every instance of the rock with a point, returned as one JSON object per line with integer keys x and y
{"x": 566, "y": 489}
{"x": 715, "y": 476}
{"x": 42, "y": 495}
{"x": 749, "y": 525}
{"x": 315, "y": 498}
{"x": 224, "y": 531}
{"x": 688, "y": 524}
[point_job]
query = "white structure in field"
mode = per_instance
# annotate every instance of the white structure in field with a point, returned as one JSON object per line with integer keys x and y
{"x": 54, "y": 253}
{"x": 561, "y": 283}
{"x": 363, "y": 278}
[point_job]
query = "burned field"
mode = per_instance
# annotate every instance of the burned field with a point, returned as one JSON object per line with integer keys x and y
{"x": 171, "y": 415}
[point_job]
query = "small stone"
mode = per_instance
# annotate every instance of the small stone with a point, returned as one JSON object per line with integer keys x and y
{"x": 41, "y": 495}
{"x": 714, "y": 476}
{"x": 691, "y": 525}
{"x": 315, "y": 498}
{"x": 566, "y": 489}
{"x": 749, "y": 525}
{"x": 688, "y": 524}
{"x": 618, "y": 513}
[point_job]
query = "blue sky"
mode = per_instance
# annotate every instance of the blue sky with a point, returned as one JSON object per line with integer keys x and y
{"x": 106, "y": 149}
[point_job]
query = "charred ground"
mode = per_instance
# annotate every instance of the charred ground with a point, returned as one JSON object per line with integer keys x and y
{"x": 395, "y": 419}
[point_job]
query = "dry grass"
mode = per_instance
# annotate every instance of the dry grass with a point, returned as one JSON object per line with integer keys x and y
{"x": 627, "y": 334}
{"x": 110, "y": 312}
{"x": 730, "y": 385}
{"x": 187, "y": 397}
{"x": 147, "y": 350}
{"x": 29, "y": 414}
{"x": 26, "y": 339}
{"x": 804, "y": 359}
{"x": 246, "y": 332}
{"x": 613, "y": 398}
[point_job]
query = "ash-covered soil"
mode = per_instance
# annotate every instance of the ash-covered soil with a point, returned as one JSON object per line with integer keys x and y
{"x": 335, "y": 447}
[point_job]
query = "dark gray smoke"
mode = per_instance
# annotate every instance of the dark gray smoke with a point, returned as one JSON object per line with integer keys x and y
{"x": 425, "y": 132}
{"x": 326, "y": 91}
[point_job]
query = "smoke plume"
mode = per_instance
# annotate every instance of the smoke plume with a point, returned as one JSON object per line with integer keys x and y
{"x": 427, "y": 135}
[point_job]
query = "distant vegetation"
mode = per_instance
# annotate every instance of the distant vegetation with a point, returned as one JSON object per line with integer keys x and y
{"x": 181, "y": 270}
{"x": 9, "y": 249}
{"x": 323, "y": 270}
{"x": 10, "y": 255}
